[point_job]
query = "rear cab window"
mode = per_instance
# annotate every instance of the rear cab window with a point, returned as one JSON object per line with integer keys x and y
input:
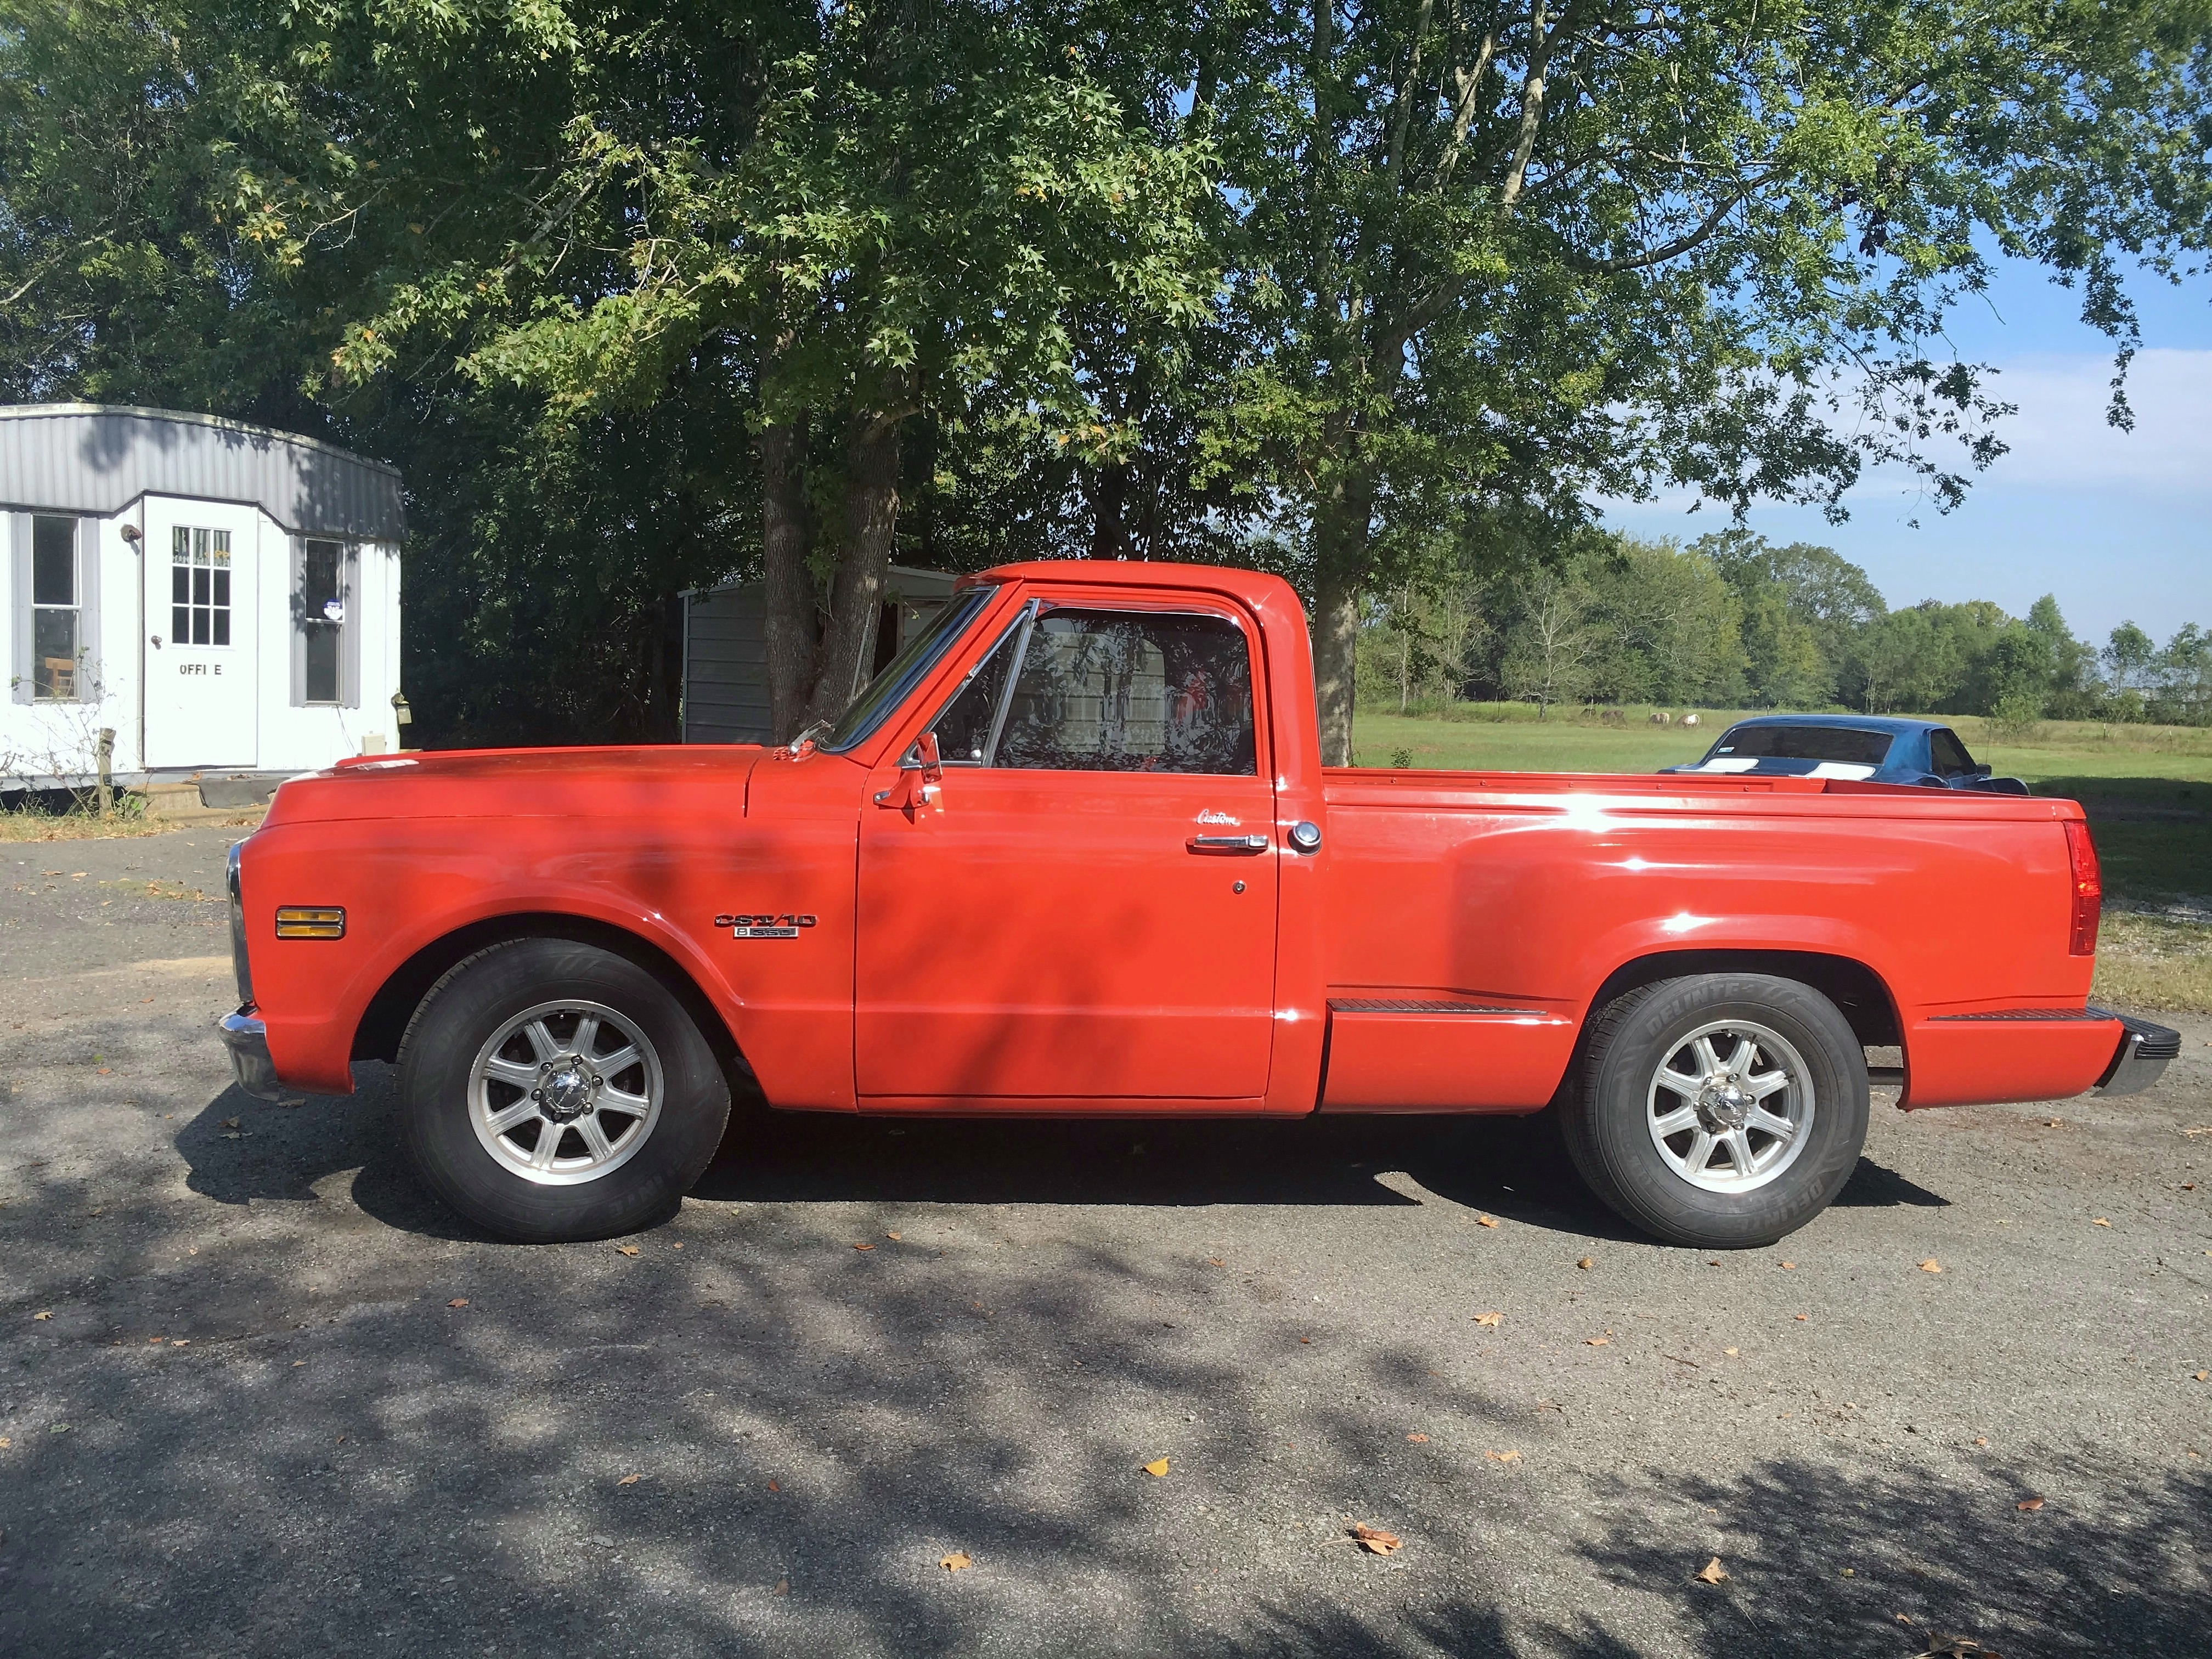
{"x": 1838, "y": 744}
{"x": 1949, "y": 755}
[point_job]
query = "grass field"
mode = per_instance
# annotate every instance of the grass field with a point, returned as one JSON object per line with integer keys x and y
{"x": 2147, "y": 790}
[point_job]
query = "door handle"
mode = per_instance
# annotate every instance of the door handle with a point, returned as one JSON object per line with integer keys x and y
{"x": 1234, "y": 846}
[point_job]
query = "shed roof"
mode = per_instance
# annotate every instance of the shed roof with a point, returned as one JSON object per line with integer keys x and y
{"x": 100, "y": 457}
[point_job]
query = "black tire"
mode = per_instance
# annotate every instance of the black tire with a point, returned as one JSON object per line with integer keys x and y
{"x": 468, "y": 1006}
{"x": 1606, "y": 1109}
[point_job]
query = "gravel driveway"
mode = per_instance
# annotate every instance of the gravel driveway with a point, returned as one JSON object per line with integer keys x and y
{"x": 261, "y": 1395}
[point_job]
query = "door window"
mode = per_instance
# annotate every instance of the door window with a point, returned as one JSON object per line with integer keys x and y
{"x": 1950, "y": 755}
{"x": 57, "y": 631}
{"x": 199, "y": 586}
{"x": 1110, "y": 691}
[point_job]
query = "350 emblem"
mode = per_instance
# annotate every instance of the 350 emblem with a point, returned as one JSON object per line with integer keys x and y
{"x": 766, "y": 926}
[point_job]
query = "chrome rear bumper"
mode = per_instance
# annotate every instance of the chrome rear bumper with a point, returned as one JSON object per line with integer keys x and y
{"x": 2142, "y": 1057}
{"x": 247, "y": 1039}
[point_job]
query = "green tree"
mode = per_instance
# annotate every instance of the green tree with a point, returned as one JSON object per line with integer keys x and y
{"x": 1520, "y": 253}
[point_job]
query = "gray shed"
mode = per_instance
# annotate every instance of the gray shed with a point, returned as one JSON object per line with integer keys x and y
{"x": 726, "y": 652}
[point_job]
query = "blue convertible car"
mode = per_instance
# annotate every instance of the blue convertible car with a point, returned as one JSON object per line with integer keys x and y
{"x": 1868, "y": 749}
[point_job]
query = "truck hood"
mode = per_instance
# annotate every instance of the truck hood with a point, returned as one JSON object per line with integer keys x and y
{"x": 503, "y": 783}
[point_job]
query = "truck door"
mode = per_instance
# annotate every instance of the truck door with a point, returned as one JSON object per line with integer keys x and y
{"x": 1086, "y": 913}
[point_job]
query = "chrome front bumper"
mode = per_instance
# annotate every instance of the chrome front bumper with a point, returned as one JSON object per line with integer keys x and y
{"x": 2141, "y": 1059}
{"x": 247, "y": 1039}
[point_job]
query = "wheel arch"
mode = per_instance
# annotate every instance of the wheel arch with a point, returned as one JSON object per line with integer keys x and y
{"x": 1859, "y": 993}
{"x": 383, "y": 1022}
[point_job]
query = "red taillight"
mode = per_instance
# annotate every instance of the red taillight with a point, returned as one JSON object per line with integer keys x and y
{"x": 2088, "y": 889}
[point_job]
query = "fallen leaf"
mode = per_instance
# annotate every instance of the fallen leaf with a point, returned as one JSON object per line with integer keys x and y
{"x": 679, "y": 1245}
{"x": 45, "y": 1314}
{"x": 1596, "y": 1342}
{"x": 2204, "y": 1377}
{"x": 2188, "y": 1186}
{"x": 1490, "y": 1319}
{"x": 2030, "y": 1503}
{"x": 956, "y": 1561}
{"x": 230, "y": 1123}
{"x": 1307, "y": 1341}
{"x": 783, "y": 1587}
{"x": 1713, "y": 1572}
{"x": 1486, "y": 1221}
{"x": 1157, "y": 1467}
{"x": 1981, "y": 1440}
{"x": 1503, "y": 1457}
{"x": 5, "y": 1442}
{"x": 1419, "y": 1439}
{"x": 630, "y": 1481}
{"x": 894, "y": 1238}
{"x": 1375, "y": 1539}
{"x": 1801, "y": 1318}
{"x": 59, "y": 1428}
{"x": 864, "y": 1247}
{"x": 626, "y": 1250}
{"x": 1587, "y": 1263}
{"x": 1215, "y": 1261}
{"x": 1931, "y": 1266}
{"x": 1732, "y": 1353}
{"x": 1788, "y": 1264}
{"x": 2101, "y": 1222}
{"x": 458, "y": 1302}
{"x": 105, "y": 1071}
{"x": 772, "y": 1486}
{"x": 1956, "y": 1647}
{"x": 180, "y": 1342}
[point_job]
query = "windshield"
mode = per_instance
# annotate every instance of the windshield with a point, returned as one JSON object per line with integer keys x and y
{"x": 915, "y": 659}
{"x": 1804, "y": 742}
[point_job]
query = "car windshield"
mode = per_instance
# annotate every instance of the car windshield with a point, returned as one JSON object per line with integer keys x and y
{"x": 903, "y": 672}
{"x": 1808, "y": 742}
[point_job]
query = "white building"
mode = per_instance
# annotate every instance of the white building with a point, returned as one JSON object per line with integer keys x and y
{"x": 222, "y": 599}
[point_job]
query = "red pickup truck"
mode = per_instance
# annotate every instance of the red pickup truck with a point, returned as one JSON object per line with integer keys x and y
{"x": 1073, "y": 852}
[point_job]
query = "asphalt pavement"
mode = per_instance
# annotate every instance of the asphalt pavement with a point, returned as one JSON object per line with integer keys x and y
{"x": 260, "y": 1395}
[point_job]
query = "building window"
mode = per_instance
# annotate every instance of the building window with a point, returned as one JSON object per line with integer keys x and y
{"x": 323, "y": 621}
{"x": 199, "y": 588}
{"x": 57, "y": 611}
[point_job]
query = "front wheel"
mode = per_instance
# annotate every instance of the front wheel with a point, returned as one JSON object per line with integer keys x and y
{"x": 550, "y": 1090}
{"x": 1719, "y": 1110}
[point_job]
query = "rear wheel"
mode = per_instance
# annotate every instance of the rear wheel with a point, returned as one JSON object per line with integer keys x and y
{"x": 1719, "y": 1110}
{"x": 553, "y": 1091}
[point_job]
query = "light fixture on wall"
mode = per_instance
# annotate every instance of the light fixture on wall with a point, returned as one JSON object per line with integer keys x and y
{"x": 130, "y": 534}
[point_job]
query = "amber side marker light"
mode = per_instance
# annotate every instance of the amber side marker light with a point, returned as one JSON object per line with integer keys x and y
{"x": 310, "y": 922}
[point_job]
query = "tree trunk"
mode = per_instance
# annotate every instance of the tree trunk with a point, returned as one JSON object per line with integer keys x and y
{"x": 792, "y": 629}
{"x": 856, "y": 592}
{"x": 1341, "y": 537}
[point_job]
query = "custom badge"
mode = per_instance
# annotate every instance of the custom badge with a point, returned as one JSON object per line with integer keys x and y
{"x": 765, "y": 927}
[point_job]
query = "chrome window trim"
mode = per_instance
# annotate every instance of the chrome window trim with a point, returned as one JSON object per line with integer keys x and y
{"x": 241, "y": 967}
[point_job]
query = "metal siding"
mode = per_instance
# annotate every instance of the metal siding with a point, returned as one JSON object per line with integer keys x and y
{"x": 84, "y": 458}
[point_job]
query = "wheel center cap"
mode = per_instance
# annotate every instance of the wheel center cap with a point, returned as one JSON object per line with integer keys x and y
{"x": 1723, "y": 1106}
{"x": 566, "y": 1093}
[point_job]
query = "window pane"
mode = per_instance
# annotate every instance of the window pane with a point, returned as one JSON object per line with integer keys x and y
{"x": 1949, "y": 755}
{"x": 200, "y": 625}
{"x": 199, "y": 586}
{"x": 318, "y": 576}
{"x": 53, "y": 562}
{"x": 53, "y": 652}
{"x": 1132, "y": 691}
{"x": 221, "y": 627}
{"x": 180, "y": 545}
{"x": 180, "y": 625}
{"x": 1805, "y": 743}
{"x": 322, "y": 664}
{"x": 221, "y": 586}
{"x": 963, "y": 730}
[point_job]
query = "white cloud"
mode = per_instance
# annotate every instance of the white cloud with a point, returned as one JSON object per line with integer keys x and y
{"x": 2060, "y": 439}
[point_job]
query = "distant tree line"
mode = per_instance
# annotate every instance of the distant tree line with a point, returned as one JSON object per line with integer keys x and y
{"x": 1733, "y": 622}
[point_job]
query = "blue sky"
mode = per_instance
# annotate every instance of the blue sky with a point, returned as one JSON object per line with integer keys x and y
{"x": 2117, "y": 524}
